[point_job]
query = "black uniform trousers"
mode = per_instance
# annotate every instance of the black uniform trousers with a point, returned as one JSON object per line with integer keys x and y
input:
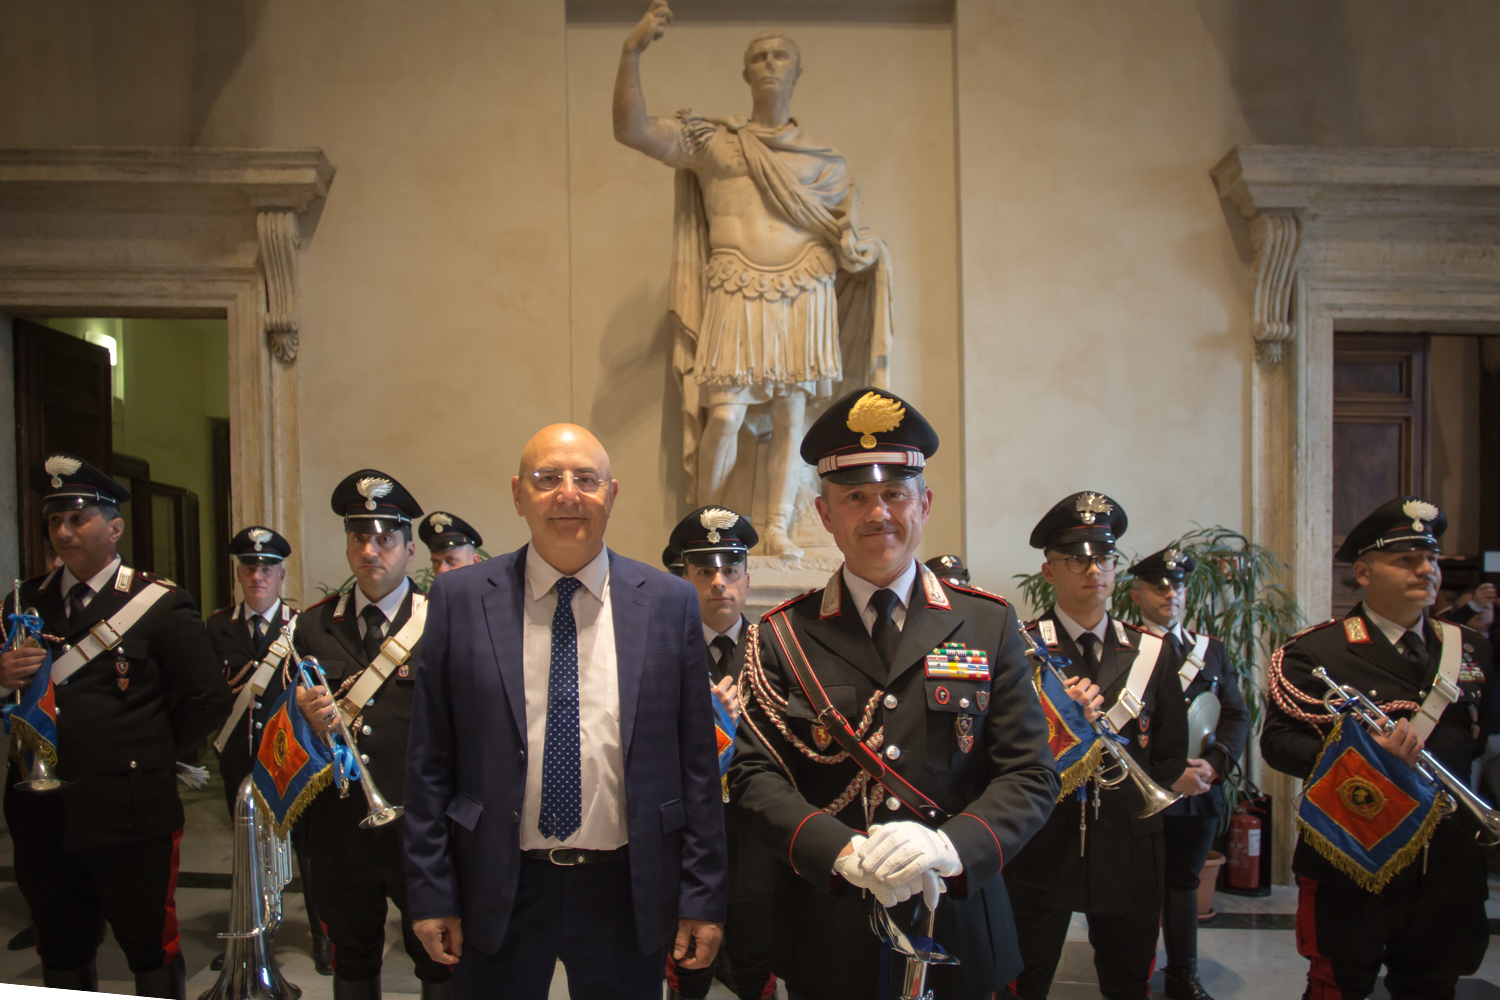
{"x": 744, "y": 963}
{"x": 581, "y": 914}
{"x": 1124, "y": 950}
{"x": 354, "y": 871}
{"x": 1348, "y": 934}
{"x": 1187, "y": 840}
{"x": 133, "y": 886}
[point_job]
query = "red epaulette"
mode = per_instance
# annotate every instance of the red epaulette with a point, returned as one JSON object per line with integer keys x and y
{"x": 979, "y": 592}
{"x": 222, "y": 611}
{"x": 150, "y": 577}
{"x": 789, "y": 603}
{"x": 1133, "y": 628}
{"x": 1311, "y": 628}
{"x": 331, "y": 597}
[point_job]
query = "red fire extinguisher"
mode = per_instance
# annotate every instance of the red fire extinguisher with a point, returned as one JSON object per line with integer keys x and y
{"x": 1244, "y": 851}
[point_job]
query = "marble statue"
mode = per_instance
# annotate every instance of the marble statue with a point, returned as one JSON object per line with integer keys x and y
{"x": 780, "y": 296}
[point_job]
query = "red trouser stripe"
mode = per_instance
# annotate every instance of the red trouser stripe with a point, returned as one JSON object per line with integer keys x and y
{"x": 171, "y": 941}
{"x": 1320, "y": 982}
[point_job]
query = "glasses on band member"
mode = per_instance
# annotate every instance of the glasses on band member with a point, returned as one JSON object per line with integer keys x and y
{"x": 1081, "y": 564}
{"x": 547, "y": 480}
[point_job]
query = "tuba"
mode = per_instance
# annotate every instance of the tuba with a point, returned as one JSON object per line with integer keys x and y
{"x": 262, "y": 869}
{"x": 1122, "y": 766}
{"x": 381, "y": 811}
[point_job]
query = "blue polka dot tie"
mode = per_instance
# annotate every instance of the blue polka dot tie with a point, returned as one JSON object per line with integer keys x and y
{"x": 562, "y": 784}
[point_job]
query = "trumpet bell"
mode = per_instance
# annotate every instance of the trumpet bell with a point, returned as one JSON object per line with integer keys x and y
{"x": 42, "y": 778}
{"x": 1156, "y": 798}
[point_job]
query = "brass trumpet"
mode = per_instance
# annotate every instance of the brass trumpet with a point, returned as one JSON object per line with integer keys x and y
{"x": 381, "y": 811}
{"x": 1369, "y": 713}
{"x": 1122, "y": 766}
{"x": 43, "y": 777}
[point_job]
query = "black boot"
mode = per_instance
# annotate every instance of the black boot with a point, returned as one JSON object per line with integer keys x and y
{"x": 169, "y": 982}
{"x": 1179, "y": 932}
{"x": 362, "y": 989}
{"x": 322, "y": 952}
{"x": 437, "y": 991}
{"x": 85, "y": 979}
{"x": 23, "y": 940}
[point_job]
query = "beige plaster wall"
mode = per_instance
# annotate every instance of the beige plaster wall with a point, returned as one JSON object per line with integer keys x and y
{"x": 1453, "y": 455}
{"x": 883, "y": 96}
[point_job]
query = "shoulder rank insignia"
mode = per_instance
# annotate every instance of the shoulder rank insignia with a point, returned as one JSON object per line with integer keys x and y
{"x": 833, "y": 596}
{"x": 1355, "y": 631}
{"x": 822, "y": 738}
{"x": 1048, "y": 629}
{"x": 1121, "y": 632}
{"x": 953, "y": 661}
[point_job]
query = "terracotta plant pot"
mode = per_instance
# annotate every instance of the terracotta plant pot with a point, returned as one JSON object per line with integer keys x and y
{"x": 1208, "y": 880}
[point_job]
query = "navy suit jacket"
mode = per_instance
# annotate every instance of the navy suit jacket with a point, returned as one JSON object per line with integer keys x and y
{"x": 466, "y": 757}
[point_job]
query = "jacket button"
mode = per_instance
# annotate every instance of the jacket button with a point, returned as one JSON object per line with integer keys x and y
{"x": 892, "y": 803}
{"x": 963, "y": 703}
{"x": 364, "y": 758}
{"x": 892, "y": 752}
{"x": 258, "y": 725}
{"x": 523, "y": 756}
{"x": 370, "y": 703}
{"x": 364, "y": 730}
{"x": 890, "y": 701}
{"x": 132, "y": 765}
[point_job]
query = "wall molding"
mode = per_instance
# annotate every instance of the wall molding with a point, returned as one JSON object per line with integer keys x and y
{"x": 180, "y": 232}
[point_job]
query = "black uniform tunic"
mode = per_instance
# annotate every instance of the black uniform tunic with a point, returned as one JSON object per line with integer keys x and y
{"x": 240, "y": 654}
{"x": 1428, "y": 924}
{"x": 105, "y": 844}
{"x": 998, "y": 788}
{"x": 1218, "y": 677}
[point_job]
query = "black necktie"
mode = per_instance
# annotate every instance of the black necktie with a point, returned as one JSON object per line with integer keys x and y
{"x": 885, "y": 633}
{"x": 374, "y": 618}
{"x": 1176, "y": 645}
{"x": 1090, "y": 643}
{"x": 77, "y": 598}
{"x": 257, "y": 626}
{"x": 725, "y": 646}
{"x": 1414, "y": 649}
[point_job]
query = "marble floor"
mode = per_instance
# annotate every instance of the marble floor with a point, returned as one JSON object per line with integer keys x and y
{"x": 1247, "y": 953}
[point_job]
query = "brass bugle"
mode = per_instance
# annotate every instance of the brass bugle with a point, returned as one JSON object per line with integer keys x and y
{"x": 1375, "y": 719}
{"x": 43, "y": 776}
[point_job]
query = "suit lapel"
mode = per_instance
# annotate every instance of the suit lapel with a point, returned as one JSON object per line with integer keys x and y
{"x": 1379, "y": 652}
{"x": 630, "y": 610}
{"x": 238, "y": 632}
{"x": 844, "y": 635}
{"x": 346, "y": 631}
{"x": 925, "y": 627}
{"x": 505, "y": 614}
{"x": 1115, "y": 661}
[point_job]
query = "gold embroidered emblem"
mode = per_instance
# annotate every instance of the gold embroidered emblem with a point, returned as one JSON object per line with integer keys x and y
{"x": 1355, "y": 631}
{"x": 278, "y": 748}
{"x": 874, "y": 414}
{"x": 1361, "y": 797}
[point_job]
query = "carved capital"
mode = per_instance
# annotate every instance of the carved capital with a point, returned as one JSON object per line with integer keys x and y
{"x": 279, "y": 236}
{"x": 1274, "y": 239}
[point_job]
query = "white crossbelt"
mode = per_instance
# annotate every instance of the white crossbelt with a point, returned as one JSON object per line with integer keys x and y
{"x": 1193, "y": 666}
{"x": 395, "y": 651}
{"x": 106, "y": 635}
{"x": 1445, "y": 690}
{"x": 1128, "y": 705}
{"x": 259, "y": 681}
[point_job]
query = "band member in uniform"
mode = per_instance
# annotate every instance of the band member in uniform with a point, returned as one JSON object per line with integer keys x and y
{"x": 1094, "y": 856}
{"x": 714, "y": 544}
{"x": 1189, "y": 826}
{"x": 1427, "y": 926}
{"x": 451, "y": 541}
{"x": 950, "y": 569}
{"x": 245, "y": 638}
{"x": 932, "y": 678}
{"x": 672, "y": 560}
{"x": 367, "y": 640}
{"x": 139, "y": 686}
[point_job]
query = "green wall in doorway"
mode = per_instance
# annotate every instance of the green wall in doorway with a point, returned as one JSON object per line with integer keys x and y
{"x": 172, "y": 378}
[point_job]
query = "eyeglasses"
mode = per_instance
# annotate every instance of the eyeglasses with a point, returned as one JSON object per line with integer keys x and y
{"x": 1081, "y": 564}
{"x": 548, "y": 480}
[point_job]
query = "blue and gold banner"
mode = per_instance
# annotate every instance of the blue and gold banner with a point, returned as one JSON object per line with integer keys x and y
{"x": 32, "y": 723}
{"x": 724, "y": 727}
{"x": 1365, "y": 810}
{"x": 1073, "y": 741}
{"x": 293, "y": 764}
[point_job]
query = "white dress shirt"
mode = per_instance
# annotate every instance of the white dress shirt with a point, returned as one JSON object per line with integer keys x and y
{"x": 95, "y": 583}
{"x": 1160, "y": 632}
{"x": 709, "y": 635}
{"x": 388, "y": 605}
{"x": 1393, "y": 631}
{"x": 862, "y": 590}
{"x": 601, "y": 748}
{"x": 250, "y": 614}
{"x": 1075, "y": 630}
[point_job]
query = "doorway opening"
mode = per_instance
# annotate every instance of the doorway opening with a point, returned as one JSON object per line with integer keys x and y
{"x": 146, "y": 400}
{"x": 1418, "y": 414}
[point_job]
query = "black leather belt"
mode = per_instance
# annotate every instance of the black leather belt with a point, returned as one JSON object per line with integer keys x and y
{"x": 569, "y": 856}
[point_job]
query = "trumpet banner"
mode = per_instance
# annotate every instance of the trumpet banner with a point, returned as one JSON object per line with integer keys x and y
{"x": 292, "y": 765}
{"x": 1364, "y": 810}
{"x": 1070, "y": 737}
{"x": 32, "y": 723}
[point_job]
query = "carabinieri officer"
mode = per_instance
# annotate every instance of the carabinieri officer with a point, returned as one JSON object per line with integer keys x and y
{"x": 930, "y": 677}
{"x": 137, "y": 686}
{"x": 366, "y": 639}
{"x": 248, "y": 639}
{"x": 1189, "y": 825}
{"x": 451, "y": 541}
{"x": 1427, "y": 926}
{"x": 1095, "y": 856}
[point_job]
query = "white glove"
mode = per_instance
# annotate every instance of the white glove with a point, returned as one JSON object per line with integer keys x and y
{"x": 932, "y": 887}
{"x": 193, "y": 777}
{"x": 888, "y": 895}
{"x": 900, "y": 852}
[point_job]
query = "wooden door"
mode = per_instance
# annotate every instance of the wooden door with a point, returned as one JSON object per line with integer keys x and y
{"x": 1380, "y": 410}
{"x": 63, "y": 403}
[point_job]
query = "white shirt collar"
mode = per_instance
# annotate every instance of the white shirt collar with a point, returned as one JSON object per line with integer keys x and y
{"x": 271, "y": 612}
{"x": 1159, "y": 632}
{"x": 95, "y": 583}
{"x": 733, "y": 632}
{"x": 388, "y": 605}
{"x": 1391, "y": 630}
{"x": 542, "y": 576}
{"x": 1075, "y": 630}
{"x": 862, "y": 590}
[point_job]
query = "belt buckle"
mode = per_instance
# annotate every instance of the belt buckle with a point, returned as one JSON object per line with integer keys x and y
{"x": 106, "y": 643}
{"x": 551, "y": 856}
{"x": 391, "y": 648}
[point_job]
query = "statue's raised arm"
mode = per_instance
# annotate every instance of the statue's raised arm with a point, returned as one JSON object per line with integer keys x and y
{"x": 633, "y": 126}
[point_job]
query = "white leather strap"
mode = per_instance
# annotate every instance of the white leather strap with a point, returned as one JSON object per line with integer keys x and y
{"x": 1128, "y": 705}
{"x": 1445, "y": 690}
{"x": 256, "y": 686}
{"x": 395, "y": 651}
{"x": 106, "y": 635}
{"x": 1193, "y": 665}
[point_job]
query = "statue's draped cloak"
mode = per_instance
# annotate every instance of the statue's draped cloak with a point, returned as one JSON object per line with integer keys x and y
{"x": 828, "y": 208}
